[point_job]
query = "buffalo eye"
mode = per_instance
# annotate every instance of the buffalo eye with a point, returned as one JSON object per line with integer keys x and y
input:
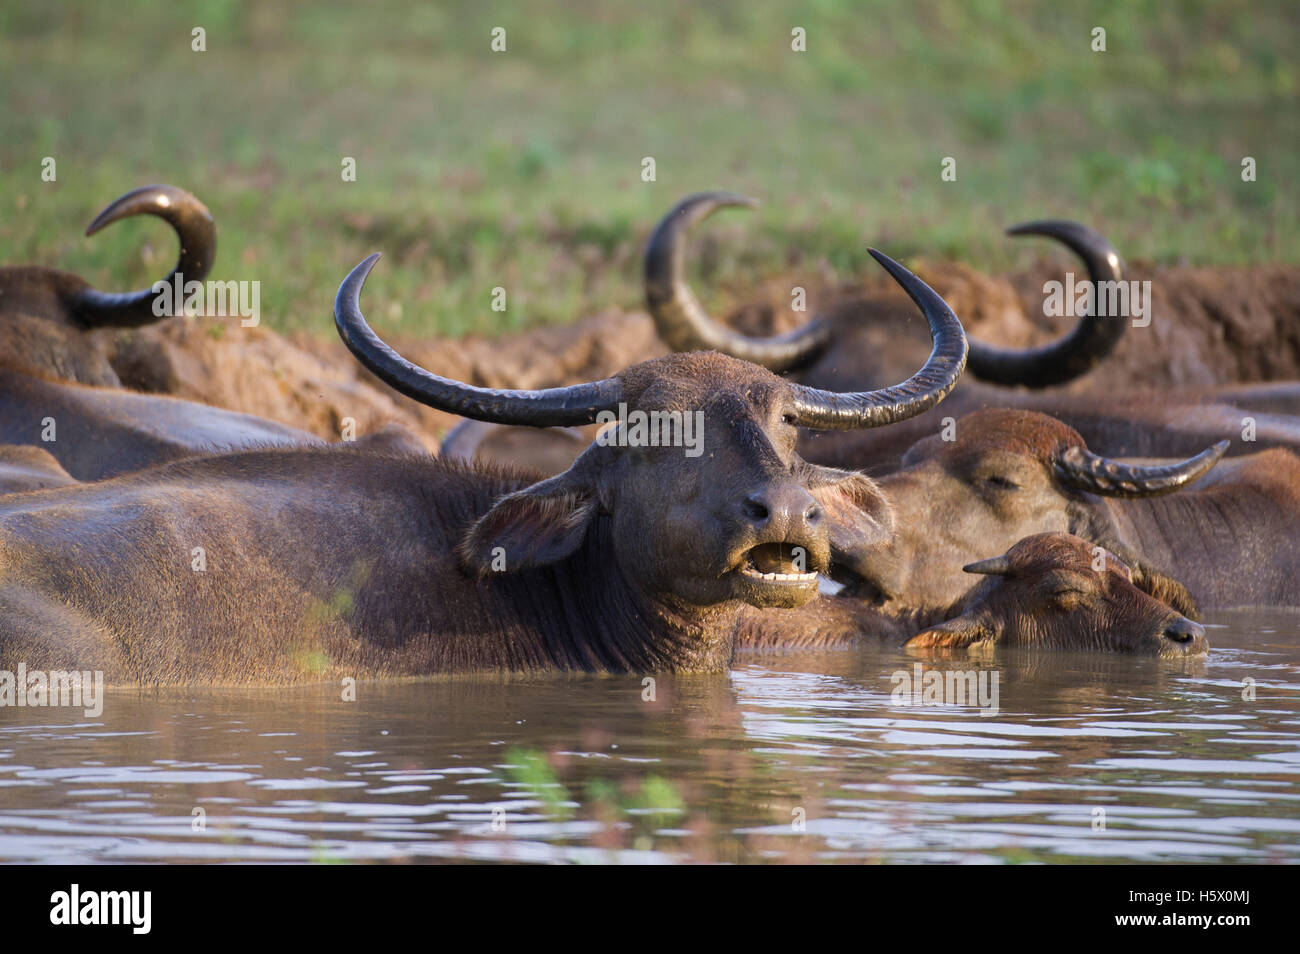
{"x": 1001, "y": 483}
{"x": 789, "y": 418}
{"x": 1067, "y": 598}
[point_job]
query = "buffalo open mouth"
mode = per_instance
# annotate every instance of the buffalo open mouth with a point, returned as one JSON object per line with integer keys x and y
{"x": 780, "y": 563}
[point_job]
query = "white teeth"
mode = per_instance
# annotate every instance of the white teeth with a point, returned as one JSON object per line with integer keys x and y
{"x": 780, "y": 577}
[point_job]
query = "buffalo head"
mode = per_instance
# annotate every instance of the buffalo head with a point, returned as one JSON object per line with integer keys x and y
{"x": 1005, "y": 475}
{"x": 737, "y": 516}
{"x": 1057, "y": 591}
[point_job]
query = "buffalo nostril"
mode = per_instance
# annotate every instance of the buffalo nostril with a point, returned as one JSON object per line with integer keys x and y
{"x": 1183, "y": 631}
{"x": 755, "y": 508}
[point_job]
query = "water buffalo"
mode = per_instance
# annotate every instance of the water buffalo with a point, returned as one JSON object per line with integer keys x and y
{"x": 842, "y": 351}
{"x": 1007, "y": 474}
{"x": 1135, "y": 423}
{"x": 55, "y": 327}
{"x": 58, "y": 386}
{"x": 295, "y": 564}
{"x": 1047, "y": 592}
{"x": 830, "y": 350}
{"x": 47, "y": 316}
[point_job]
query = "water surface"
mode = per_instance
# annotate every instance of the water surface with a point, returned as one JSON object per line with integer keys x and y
{"x": 786, "y": 758}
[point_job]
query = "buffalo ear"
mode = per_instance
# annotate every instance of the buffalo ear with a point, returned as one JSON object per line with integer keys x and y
{"x": 858, "y": 516}
{"x": 957, "y": 633}
{"x": 919, "y": 451}
{"x": 533, "y": 527}
{"x": 1085, "y": 523}
{"x": 393, "y": 438}
{"x": 1114, "y": 562}
{"x": 1166, "y": 589}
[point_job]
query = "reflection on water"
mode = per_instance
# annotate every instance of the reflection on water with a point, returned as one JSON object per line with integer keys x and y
{"x": 789, "y": 757}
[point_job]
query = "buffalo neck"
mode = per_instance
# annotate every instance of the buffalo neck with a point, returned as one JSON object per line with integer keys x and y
{"x": 599, "y": 616}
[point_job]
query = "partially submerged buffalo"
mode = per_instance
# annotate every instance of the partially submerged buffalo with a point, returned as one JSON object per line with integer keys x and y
{"x": 1049, "y": 591}
{"x": 59, "y": 389}
{"x": 1057, "y": 591}
{"x": 829, "y": 351}
{"x": 293, "y": 564}
{"x": 1007, "y": 474}
{"x": 1133, "y": 423}
{"x": 48, "y": 317}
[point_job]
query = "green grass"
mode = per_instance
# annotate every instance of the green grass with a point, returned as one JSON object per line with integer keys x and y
{"x": 522, "y": 169}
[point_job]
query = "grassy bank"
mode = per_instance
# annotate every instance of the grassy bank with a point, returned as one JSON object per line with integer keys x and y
{"x": 522, "y": 169}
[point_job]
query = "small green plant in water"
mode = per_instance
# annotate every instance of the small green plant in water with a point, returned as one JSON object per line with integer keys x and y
{"x": 652, "y": 806}
{"x": 658, "y": 801}
{"x": 531, "y": 769}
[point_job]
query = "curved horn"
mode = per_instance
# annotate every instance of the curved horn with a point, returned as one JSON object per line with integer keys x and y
{"x": 994, "y": 566}
{"x": 832, "y": 411}
{"x": 681, "y": 320}
{"x": 198, "y": 237}
{"x": 1082, "y": 469}
{"x": 576, "y": 404}
{"x": 1091, "y": 339}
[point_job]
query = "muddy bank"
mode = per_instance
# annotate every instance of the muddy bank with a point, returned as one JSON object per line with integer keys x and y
{"x": 1209, "y": 326}
{"x": 256, "y": 371}
{"x": 586, "y": 350}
